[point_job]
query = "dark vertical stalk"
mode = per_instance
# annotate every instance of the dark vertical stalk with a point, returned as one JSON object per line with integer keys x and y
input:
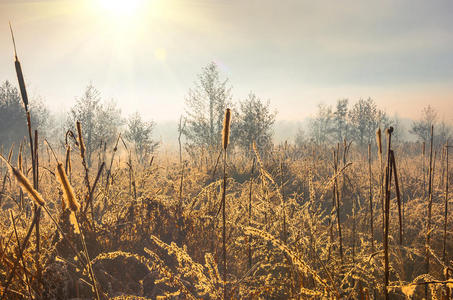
{"x": 109, "y": 172}
{"x": 225, "y": 141}
{"x": 398, "y": 196}
{"x": 444, "y": 257}
{"x": 250, "y": 213}
{"x": 283, "y": 203}
{"x": 381, "y": 176}
{"x": 35, "y": 186}
{"x": 386, "y": 214}
{"x": 430, "y": 202}
{"x": 224, "y": 224}
{"x": 337, "y": 204}
{"x": 423, "y": 168}
{"x": 371, "y": 198}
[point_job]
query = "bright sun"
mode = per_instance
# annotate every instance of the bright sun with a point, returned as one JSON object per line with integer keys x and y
{"x": 121, "y": 7}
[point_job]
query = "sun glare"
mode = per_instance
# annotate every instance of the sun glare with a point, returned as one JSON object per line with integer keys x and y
{"x": 121, "y": 8}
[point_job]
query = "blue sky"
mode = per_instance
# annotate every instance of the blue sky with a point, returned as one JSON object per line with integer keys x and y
{"x": 295, "y": 53}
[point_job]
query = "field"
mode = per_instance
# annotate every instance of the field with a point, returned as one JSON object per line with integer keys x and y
{"x": 306, "y": 222}
{"x": 93, "y": 207}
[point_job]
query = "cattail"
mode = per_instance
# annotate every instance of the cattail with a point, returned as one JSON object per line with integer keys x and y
{"x": 68, "y": 166}
{"x": 19, "y": 158}
{"x": 25, "y": 184}
{"x": 20, "y": 76}
{"x": 81, "y": 144}
{"x": 379, "y": 140}
{"x": 226, "y": 128}
{"x": 225, "y": 140}
{"x": 68, "y": 193}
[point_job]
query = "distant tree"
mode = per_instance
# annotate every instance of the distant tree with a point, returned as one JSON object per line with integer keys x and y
{"x": 340, "y": 120}
{"x": 139, "y": 133}
{"x": 321, "y": 126}
{"x": 205, "y": 108}
{"x": 444, "y": 133}
{"x": 100, "y": 121}
{"x": 300, "y": 138}
{"x": 13, "y": 122}
{"x": 398, "y": 134}
{"x": 254, "y": 122}
{"x": 365, "y": 118}
{"x": 422, "y": 127}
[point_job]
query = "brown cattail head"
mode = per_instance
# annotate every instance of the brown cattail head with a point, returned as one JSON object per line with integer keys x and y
{"x": 20, "y": 76}
{"x": 68, "y": 167}
{"x": 68, "y": 193}
{"x": 390, "y": 130}
{"x": 81, "y": 144}
{"x": 26, "y": 185}
{"x": 379, "y": 140}
{"x": 19, "y": 158}
{"x": 226, "y": 128}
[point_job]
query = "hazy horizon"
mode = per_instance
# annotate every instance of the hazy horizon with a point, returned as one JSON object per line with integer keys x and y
{"x": 296, "y": 54}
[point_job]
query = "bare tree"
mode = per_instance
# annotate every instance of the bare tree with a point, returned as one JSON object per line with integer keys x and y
{"x": 254, "y": 122}
{"x": 322, "y": 126}
{"x": 100, "y": 121}
{"x": 341, "y": 127}
{"x": 422, "y": 127}
{"x": 205, "y": 106}
{"x": 365, "y": 118}
{"x": 139, "y": 133}
{"x": 12, "y": 118}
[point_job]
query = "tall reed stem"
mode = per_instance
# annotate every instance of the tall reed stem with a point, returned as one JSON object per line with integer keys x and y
{"x": 386, "y": 214}
{"x": 371, "y": 198}
{"x": 430, "y": 203}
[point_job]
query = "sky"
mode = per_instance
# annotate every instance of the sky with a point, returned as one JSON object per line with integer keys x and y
{"x": 146, "y": 54}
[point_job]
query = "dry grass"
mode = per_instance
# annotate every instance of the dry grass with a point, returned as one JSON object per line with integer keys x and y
{"x": 147, "y": 245}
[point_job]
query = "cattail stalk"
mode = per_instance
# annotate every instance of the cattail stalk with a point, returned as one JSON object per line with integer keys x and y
{"x": 381, "y": 174}
{"x": 225, "y": 140}
{"x": 250, "y": 214}
{"x": 398, "y": 195}
{"x": 430, "y": 199}
{"x": 109, "y": 171}
{"x": 444, "y": 246}
{"x": 93, "y": 188}
{"x": 371, "y": 198}
{"x": 337, "y": 201}
{"x": 386, "y": 214}
{"x": 85, "y": 167}
{"x": 423, "y": 167}
{"x": 444, "y": 257}
{"x": 20, "y": 167}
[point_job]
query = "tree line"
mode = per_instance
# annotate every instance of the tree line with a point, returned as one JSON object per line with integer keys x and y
{"x": 201, "y": 124}
{"x": 101, "y": 121}
{"x": 359, "y": 122}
